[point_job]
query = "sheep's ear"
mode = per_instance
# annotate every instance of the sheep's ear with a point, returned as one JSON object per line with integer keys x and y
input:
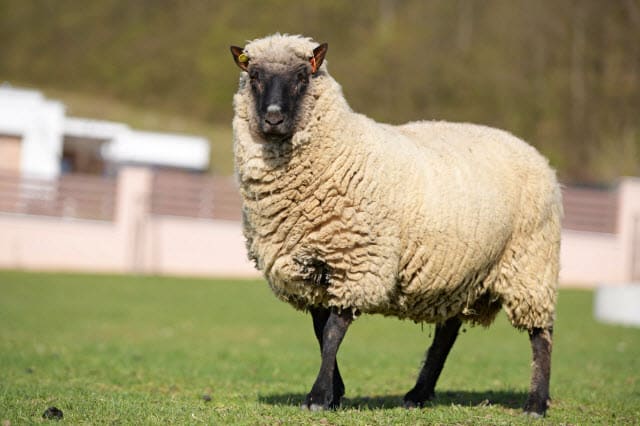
{"x": 318, "y": 57}
{"x": 241, "y": 59}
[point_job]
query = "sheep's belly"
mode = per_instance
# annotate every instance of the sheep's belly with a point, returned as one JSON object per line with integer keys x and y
{"x": 305, "y": 283}
{"x": 438, "y": 301}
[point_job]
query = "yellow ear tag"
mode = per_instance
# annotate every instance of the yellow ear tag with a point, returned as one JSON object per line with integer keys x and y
{"x": 243, "y": 58}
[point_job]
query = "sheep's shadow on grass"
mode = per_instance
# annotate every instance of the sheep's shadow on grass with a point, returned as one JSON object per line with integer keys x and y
{"x": 506, "y": 399}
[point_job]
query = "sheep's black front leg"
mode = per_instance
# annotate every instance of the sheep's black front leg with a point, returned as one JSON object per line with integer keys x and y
{"x": 320, "y": 316}
{"x": 442, "y": 342}
{"x": 322, "y": 395}
{"x": 538, "y": 400}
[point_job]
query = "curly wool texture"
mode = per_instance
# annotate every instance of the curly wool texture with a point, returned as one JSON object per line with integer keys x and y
{"x": 426, "y": 221}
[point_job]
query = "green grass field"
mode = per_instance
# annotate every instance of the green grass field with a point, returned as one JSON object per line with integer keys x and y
{"x": 146, "y": 350}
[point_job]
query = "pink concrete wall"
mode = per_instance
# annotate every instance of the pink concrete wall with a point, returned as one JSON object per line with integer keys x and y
{"x": 139, "y": 242}
{"x": 136, "y": 242}
{"x": 629, "y": 228}
{"x": 589, "y": 258}
{"x": 37, "y": 242}
{"x": 185, "y": 246}
{"x": 50, "y": 243}
{"x": 10, "y": 153}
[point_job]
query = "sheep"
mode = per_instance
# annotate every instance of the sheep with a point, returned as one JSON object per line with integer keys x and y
{"x": 431, "y": 221}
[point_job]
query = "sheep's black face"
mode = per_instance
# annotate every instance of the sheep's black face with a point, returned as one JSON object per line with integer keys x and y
{"x": 278, "y": 95}
{"x": 278, "y": 91}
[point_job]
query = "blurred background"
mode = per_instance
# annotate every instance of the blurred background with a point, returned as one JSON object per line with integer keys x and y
{"x": 564, "y": 75}
{"x": 150, "y": 83}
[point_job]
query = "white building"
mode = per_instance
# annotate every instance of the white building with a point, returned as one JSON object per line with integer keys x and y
{"x": 37, "y": 139}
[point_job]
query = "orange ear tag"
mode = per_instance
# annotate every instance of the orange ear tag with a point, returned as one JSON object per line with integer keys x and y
{"x": 314, "y": 67}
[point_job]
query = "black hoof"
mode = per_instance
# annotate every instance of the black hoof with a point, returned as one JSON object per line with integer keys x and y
{"x": 408, "y": 404}
{"x": 312, "y": 407}
{"x": 321, "y": 402}
{"x": 536, "y": 408}
{"x": 414, "y": 399}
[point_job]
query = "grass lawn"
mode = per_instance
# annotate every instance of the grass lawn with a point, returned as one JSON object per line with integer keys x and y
{"x": 140, "y": 350}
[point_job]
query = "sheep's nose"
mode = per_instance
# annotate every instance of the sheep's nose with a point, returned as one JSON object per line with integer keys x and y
{"x": 274, "y": 115}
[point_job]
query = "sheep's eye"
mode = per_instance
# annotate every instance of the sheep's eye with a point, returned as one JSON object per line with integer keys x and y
{"x": 302, "y": 77}
{"x": 254, "y": 79}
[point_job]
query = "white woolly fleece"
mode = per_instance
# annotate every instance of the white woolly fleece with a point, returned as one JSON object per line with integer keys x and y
{"x": 282, "y": 49}
{"x": 427, "y": 221}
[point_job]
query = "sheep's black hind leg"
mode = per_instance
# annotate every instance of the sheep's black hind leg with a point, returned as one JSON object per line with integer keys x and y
{"x": 320, "y": 316}
{"x": 437, "y": 354}
{"x": 323, "y": 393}
{"x": 538, "y": 400}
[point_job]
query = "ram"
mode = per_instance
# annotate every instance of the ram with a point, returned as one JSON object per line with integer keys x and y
{"x": 431, "y": 221}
